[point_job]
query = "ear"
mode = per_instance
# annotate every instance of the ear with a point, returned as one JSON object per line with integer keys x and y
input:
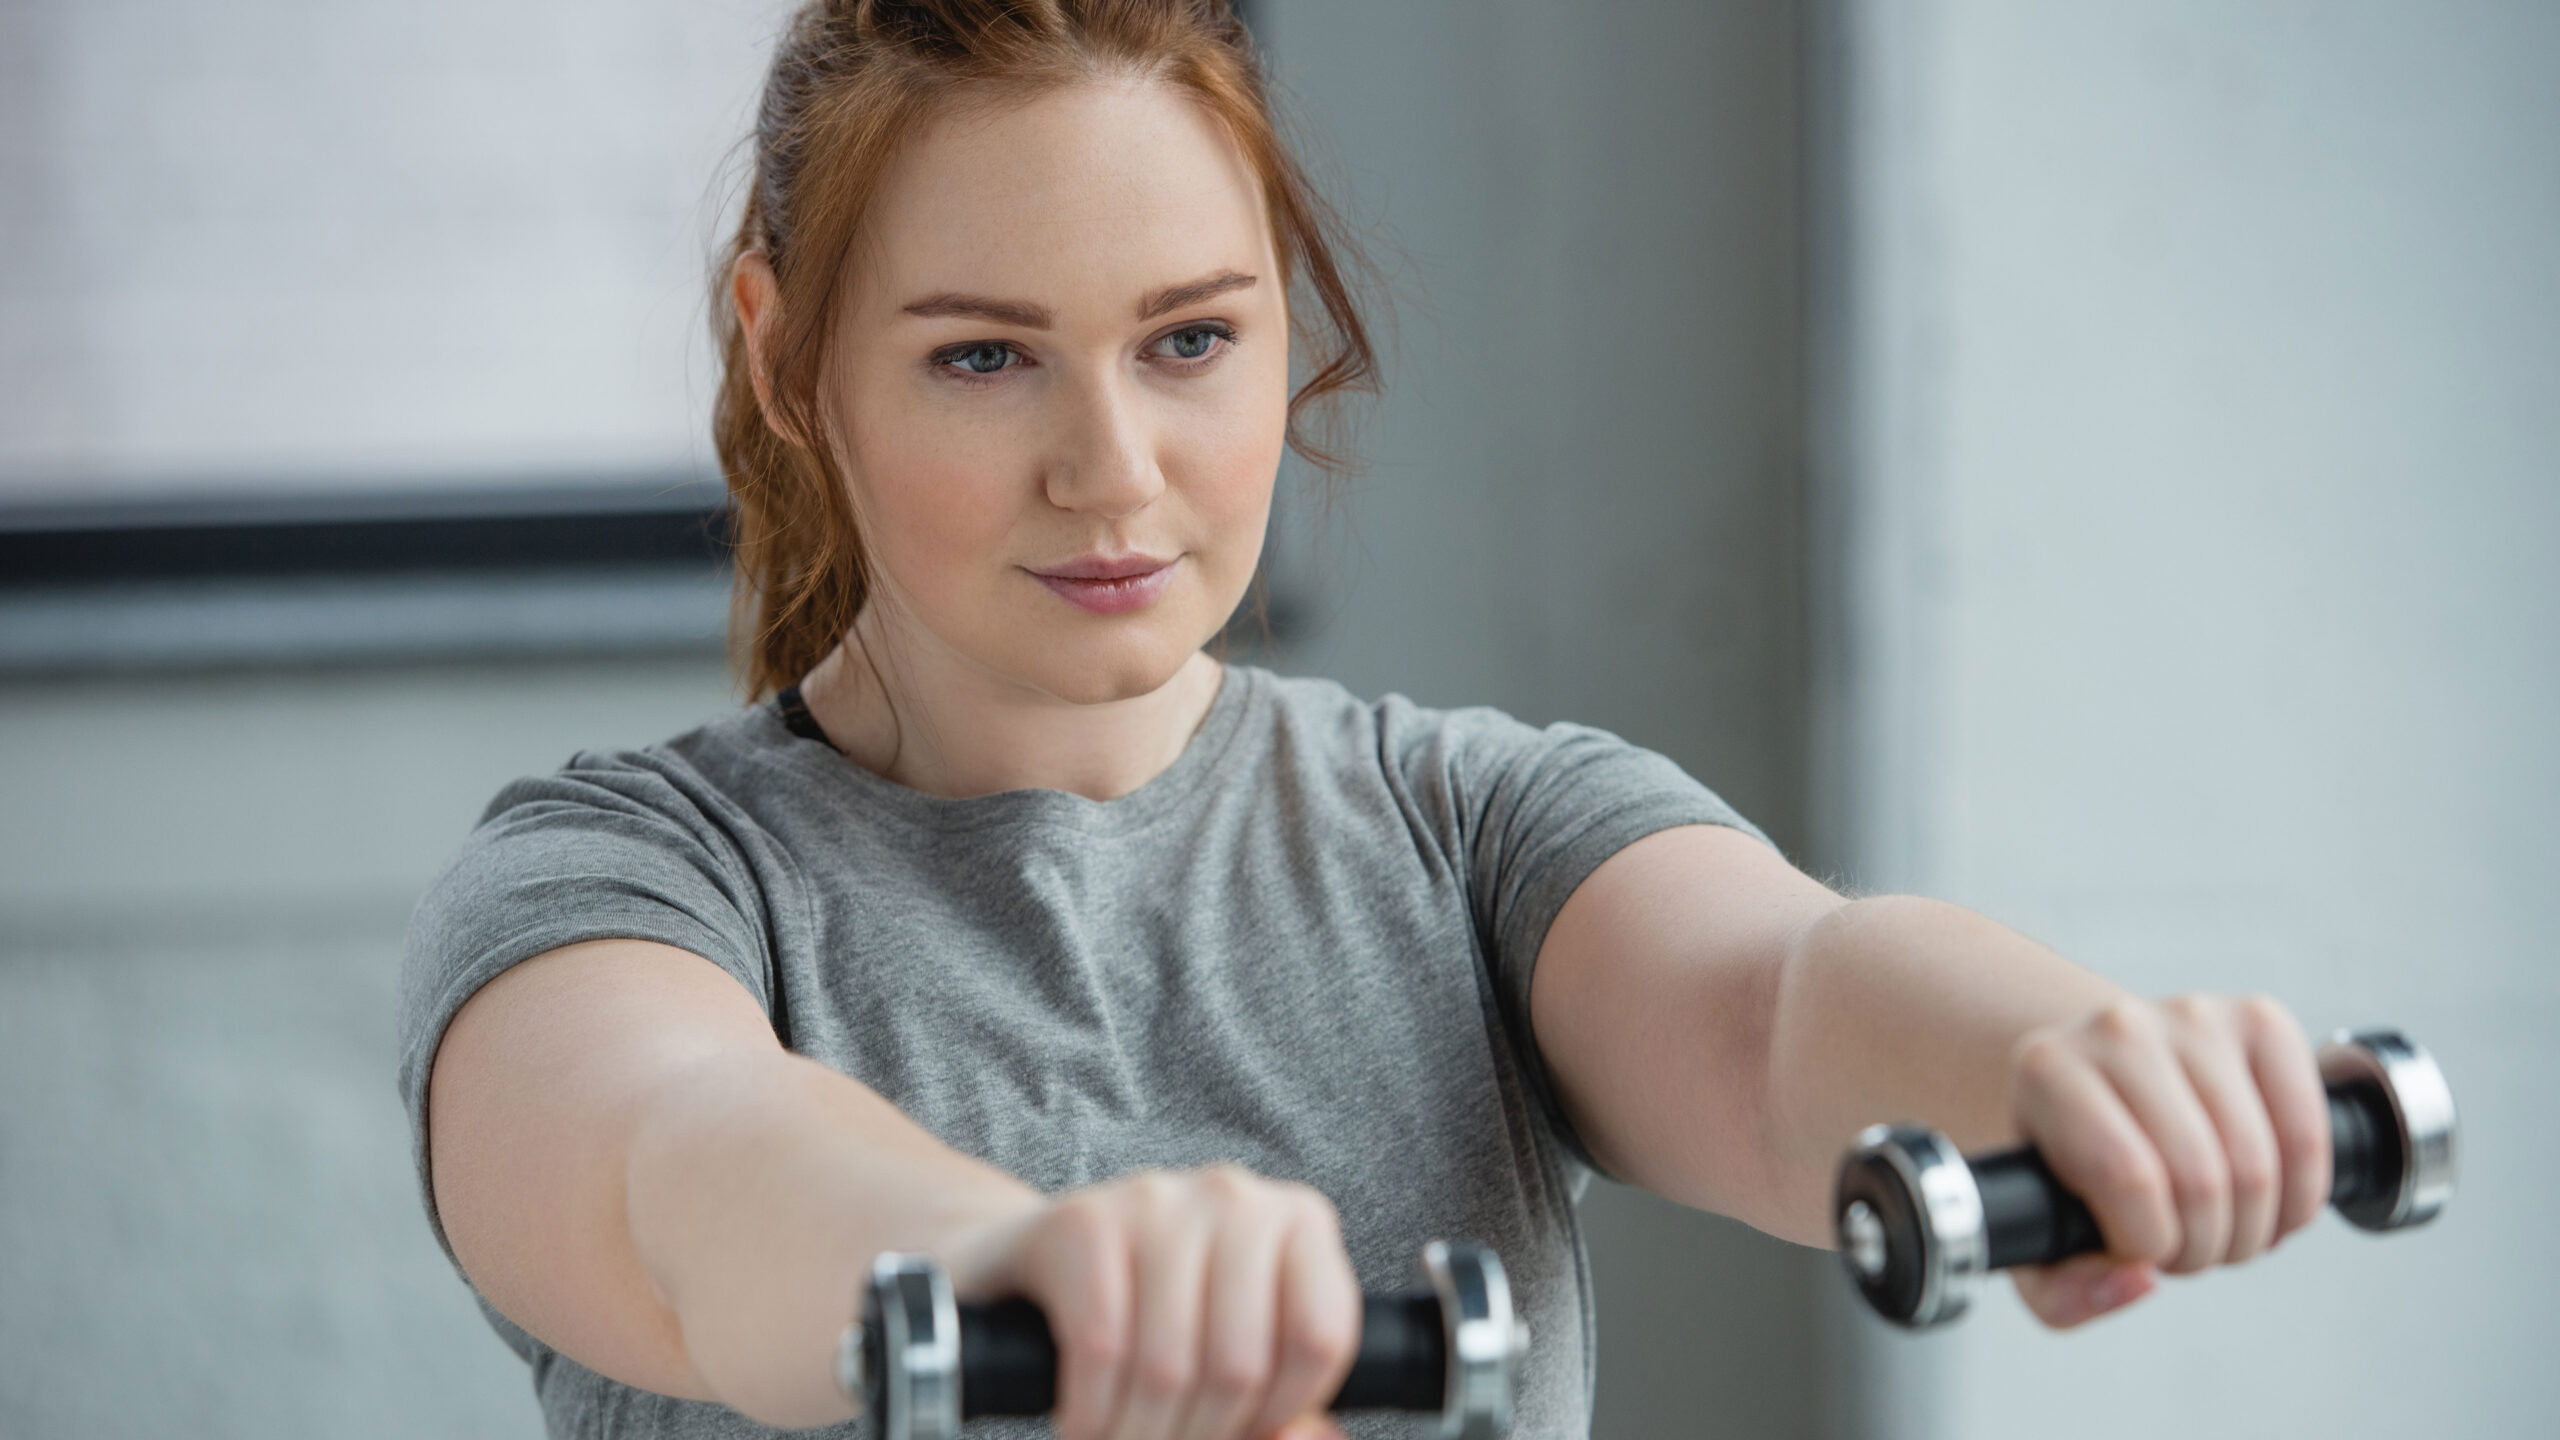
{"x": 758, "y": 296}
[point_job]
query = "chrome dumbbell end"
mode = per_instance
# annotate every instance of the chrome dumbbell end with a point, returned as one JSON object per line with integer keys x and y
{"x": 853, "y": 1366}
{"x": 2396, "y": 1175}
{"x": 901, "y": 1358}
{"x": 1485, "y": 1339}
{"x": 1919, "y": 1224}
{"x": 1910, "y": 1225}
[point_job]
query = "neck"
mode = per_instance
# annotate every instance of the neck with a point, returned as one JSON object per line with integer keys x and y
{"x": 932, "y": 721}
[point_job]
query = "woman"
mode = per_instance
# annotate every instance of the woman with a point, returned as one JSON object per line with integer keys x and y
{"x": 1177, "y": 996}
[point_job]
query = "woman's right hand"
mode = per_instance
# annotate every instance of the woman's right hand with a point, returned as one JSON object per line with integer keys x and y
{"x": 1206, "y": 1304}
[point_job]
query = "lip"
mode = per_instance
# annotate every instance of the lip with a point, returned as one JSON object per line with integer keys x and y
{"x": 1109, "y": 585}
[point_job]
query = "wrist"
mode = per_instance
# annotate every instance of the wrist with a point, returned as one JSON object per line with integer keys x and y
{"x": 979, "y": 1250}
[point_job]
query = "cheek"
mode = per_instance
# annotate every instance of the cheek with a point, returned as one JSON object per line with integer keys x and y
{"x": 936, "y": 503}
{"x": 1231, "y": 457}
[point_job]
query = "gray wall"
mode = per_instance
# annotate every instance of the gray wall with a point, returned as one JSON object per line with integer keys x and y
{"x": 208, "y": 1223}
{"x": 1584, "y": 496}
{"x": 2191, "y": 416}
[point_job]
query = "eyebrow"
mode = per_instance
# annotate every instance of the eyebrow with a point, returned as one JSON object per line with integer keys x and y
{"x": 979, "y": 307}
{"x": 1175, "y": 297}
{"x": 951, "y": 304}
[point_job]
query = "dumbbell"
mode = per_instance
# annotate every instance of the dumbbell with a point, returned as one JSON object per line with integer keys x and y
{"x": 1919, "y": 1225}
{"x": 920, "y": 1363}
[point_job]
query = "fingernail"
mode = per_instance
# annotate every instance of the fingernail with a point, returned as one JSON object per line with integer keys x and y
{"x": 2121, "y": 1287}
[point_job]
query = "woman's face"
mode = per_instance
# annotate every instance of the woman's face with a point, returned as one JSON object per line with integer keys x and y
{"x": 1061, "y": 389}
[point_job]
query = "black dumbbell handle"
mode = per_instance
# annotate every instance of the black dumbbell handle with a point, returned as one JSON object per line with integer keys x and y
{"x": 1009, "y": 1363}
{"x": 2028, "y": 1218}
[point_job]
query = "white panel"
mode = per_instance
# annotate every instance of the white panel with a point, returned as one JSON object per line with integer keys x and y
{"x": 326, "y": 242}
{"x": 2223, "y": 366}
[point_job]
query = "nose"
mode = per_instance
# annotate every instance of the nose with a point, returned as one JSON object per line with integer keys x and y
{"x": 1107, "y": 465}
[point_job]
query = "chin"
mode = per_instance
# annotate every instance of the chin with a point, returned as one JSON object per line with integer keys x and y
{"x": 1091, "y": 669}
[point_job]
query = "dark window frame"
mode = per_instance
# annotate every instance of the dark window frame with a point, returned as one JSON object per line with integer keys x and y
{"x": 550, "y": 568}
{"x": 540, "y": 528}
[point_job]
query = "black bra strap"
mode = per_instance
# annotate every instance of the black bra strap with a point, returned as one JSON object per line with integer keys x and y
{"x": 797, "y": 719}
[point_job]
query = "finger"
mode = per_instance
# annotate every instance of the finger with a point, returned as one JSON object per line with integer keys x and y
{"x": 2097, "y": 1149}
{"x": 1164, "y": 1347}
{"x": 1319, "y": 1316}
{"x": 2082, "y": 1288}
{"x": 2147, "y": 1074}
{"x": 2217, "y": 1069}
{"x": 1241, "y": 1325}
{"x": 2288, "y": 1079}
{"x": 1309, "y": 1427}
{"x": 1080, "y": 1271}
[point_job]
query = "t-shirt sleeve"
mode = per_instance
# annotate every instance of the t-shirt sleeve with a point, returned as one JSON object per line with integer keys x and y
{"x": 1528, "y": 814}
{"x": 612, "y": 847}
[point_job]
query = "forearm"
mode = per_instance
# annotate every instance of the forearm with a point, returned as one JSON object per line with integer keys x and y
{"x": 1719, "y": 1028}
{"x": 758, "y": 1188}
{"x": 1898, "y": 1008}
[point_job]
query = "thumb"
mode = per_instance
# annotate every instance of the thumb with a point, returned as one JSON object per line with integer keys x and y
{"x": 1309, "y": 1427}
{"x": 2083, "y": 1288}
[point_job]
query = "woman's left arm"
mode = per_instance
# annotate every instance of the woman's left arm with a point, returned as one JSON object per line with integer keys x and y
{"x": 1719, "y": 1027}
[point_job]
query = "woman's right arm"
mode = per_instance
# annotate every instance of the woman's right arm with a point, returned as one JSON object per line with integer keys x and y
{"x": 631, "y": 1168}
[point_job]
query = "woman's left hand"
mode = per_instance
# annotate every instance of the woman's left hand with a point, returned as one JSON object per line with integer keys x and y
{"x": 2196, "y": 1129}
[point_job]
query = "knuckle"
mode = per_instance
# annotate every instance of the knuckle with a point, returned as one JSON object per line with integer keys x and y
{"x": 1155, "y": 1197}
{"x": 2253, "y": 1176}
{"x": 2199, "y": 1180}
{"x": 1323, "y": 1340}
{"x": 2129, "y": 1175}
{"x": 2041, "y": 1058}
{"x": 2125, "y": 1022}
{"x": 1164, "y": 1372}
{"x": 1084, "y": 1222}
{"x": 1228, "y": 1183}
{"x": 2304, "y": 1138}
{"x": 2264, "y": 1016}
{"x": 2191, "y": 1010}
{"x": 1080, "y": 1213}
{"x": 1234, "y": 1372}
{"x": 1312, "y": 1204}
{"x": 1089, "y": 1337}
{"x": 1094, "y": 1342}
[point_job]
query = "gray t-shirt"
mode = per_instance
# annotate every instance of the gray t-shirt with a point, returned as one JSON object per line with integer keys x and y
{"x": 1304, "y": 947}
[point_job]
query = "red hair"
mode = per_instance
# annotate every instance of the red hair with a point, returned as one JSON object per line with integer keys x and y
{"x": 851, "y": 82}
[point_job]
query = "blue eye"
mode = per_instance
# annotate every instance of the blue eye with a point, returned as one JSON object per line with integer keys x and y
{"x": 1193, "y": 342}
{"x": 985, "y": 358}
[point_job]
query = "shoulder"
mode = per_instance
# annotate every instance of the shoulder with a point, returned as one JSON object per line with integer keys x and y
{"x": 1417, "y": 740}
{"x": 1391, "y": 726}
{"x": 661, "y": 843}
{"x": 685, "y": 823}
{"x": 1452, "y": 766}
{"x": 1470, "y": 766}
{"x": 719, "y": 771}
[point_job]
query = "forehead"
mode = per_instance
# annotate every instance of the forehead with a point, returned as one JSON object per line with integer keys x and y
{"x": 1069, "y": 196}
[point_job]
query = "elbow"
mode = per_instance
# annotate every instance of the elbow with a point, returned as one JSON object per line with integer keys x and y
{"x": 1801, "y": 1017}
{"x": 708, "y": 1194}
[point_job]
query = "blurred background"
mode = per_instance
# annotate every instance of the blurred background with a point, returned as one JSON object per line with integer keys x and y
{"x": 2098, "y": 463}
